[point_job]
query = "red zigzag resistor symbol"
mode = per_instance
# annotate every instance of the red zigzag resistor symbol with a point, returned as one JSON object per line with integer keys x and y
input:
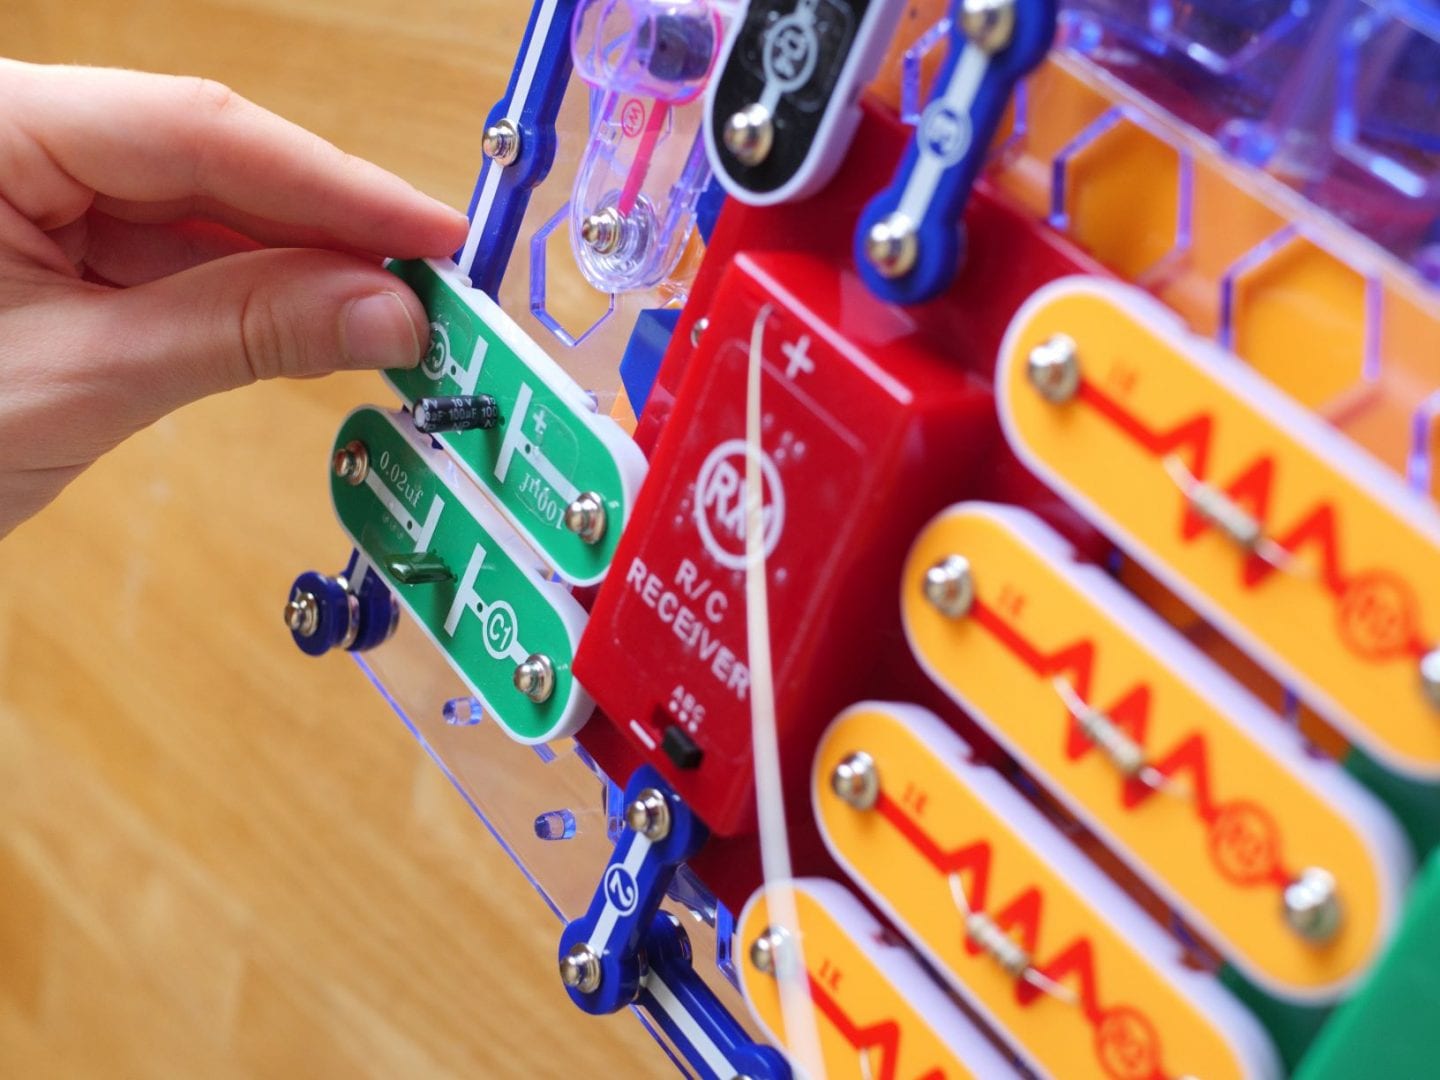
{"x": 1130, "y": 713}
{"x": 883, "y": 1036}
{"x": 1020, "y": 917}
{"x": 1023, "y": 913}
{"x": 1251, "y": 490}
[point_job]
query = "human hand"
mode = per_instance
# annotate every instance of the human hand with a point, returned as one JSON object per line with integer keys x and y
{"x": 162, "y": 239}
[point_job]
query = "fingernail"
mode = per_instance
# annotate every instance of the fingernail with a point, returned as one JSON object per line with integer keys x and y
{"x": 379, "y": 334}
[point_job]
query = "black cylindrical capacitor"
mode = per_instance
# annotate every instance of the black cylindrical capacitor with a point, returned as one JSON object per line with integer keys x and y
{"x": 462, "y": 413}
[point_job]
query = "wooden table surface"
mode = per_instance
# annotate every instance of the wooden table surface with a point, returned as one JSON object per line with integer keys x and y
{"x": 219, "y": 858}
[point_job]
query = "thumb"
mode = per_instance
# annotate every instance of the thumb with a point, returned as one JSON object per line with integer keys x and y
{"x": 257, "y": 315}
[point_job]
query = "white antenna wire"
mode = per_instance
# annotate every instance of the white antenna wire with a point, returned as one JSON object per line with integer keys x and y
{"x": 797, "y": 1014}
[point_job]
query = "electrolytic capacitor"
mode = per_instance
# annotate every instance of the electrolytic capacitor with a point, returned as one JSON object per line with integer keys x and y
{"x": 461, "y": 413}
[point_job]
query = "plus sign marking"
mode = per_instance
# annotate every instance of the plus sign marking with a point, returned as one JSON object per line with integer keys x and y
{"x": 797, "y": 357}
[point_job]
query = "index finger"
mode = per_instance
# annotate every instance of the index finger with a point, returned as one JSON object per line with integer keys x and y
{"x": 163, "y": 138}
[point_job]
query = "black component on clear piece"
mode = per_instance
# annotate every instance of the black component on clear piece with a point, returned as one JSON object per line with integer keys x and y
{"x": 683, "y": 44}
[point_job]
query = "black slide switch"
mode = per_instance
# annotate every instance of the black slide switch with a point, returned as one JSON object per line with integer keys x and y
{"x": 681, "y": 748}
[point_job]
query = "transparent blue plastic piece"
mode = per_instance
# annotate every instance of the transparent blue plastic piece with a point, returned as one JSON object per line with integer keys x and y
{"x": 663, "y": 49}
{"x": 1340, "y": 99}
{"x": 555, "y": 825}
{"x": 463, "y": 711}
{"x": 644, "y": 168}
{"x": 549, "y": 807}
